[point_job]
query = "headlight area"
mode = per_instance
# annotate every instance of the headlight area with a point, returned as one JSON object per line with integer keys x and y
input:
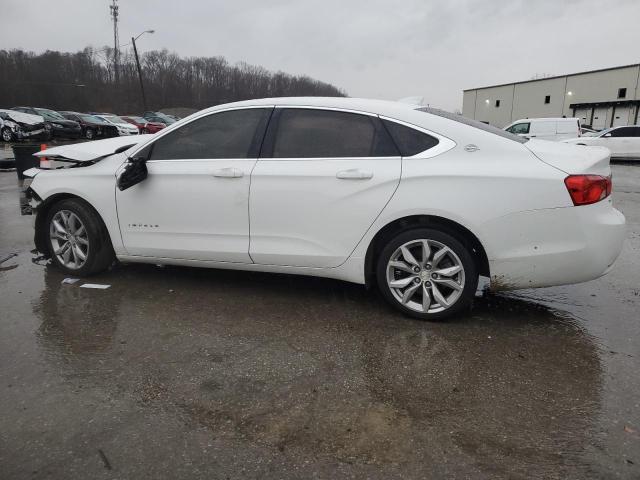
{"x": 29, "y": 199}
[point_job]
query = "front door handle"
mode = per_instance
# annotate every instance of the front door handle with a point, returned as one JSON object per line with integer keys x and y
{"x": 228, "y": 173}
{"x": 354, "y": 174}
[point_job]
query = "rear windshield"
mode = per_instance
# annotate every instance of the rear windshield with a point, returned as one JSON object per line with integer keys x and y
{"x": 474, "y": 123}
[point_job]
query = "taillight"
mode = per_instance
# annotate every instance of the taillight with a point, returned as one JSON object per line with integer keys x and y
{"x": 587, "y": 189}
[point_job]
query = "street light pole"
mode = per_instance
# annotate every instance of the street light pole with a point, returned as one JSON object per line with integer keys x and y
{"x": 135, "y": 52}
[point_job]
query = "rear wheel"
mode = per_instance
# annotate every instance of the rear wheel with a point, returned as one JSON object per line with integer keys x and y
{"x": 427, "y": 274}
{"x": 77, "y": 238}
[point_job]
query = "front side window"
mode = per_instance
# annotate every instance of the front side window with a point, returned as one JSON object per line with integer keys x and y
{"x": 313, "y": 133}
{"x": 519, "y": 128}
{"x": 230, "y": 134}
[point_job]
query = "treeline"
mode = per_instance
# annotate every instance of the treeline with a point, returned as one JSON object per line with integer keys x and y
{"x": 86, "y": 81}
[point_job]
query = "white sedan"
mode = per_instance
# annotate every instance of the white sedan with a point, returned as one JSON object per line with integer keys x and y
{"x": 622, "y": 142}
{"x": 416, "y": 200}
{"x": 124, "y": 127}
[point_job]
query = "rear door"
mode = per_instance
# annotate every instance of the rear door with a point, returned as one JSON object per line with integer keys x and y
{"x": 623, "y": 142}
{"x": 324, "y": 177}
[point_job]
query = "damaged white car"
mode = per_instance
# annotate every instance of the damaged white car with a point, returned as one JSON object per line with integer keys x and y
{"x": 18, "y": 126}
{"x": 418, "y": 201}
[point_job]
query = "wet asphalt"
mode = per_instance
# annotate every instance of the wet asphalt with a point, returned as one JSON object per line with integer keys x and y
{"x": 193, "y": 373}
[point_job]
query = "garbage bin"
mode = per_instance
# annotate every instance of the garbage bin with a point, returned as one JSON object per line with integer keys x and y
{"x": 25, "y": 159}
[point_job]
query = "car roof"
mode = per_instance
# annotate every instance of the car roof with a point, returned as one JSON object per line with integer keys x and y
{"x": 555, "y": 119}
{"x": 381, "y": 107}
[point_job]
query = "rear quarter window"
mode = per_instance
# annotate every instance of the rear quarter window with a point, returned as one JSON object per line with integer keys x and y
{"x": 409, "y": 140}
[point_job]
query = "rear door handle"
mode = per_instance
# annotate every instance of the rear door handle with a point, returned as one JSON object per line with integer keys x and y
{"x": 354, "y": 174}
{"x": 228, "y": 173}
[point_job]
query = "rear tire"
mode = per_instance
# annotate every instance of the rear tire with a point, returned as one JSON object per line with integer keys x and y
{"x": 427, "y": 274}
{"x": 77, "y": 238}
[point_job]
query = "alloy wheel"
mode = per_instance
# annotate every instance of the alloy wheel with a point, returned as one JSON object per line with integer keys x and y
{"x": 425, "y": 276}
{"x": 69, "y": 239}
{"x": 6, "y": 135}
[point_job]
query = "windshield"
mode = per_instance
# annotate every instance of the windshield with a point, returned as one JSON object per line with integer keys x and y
{"x": 115, "y": 119}
{"x": 92, "y": 119}
{"x": 473, "y": 123}
{"x": 166, "y": 118}
{"x": 49, "y": 114}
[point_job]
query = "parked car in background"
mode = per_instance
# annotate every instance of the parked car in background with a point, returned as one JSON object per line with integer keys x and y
{"x": 417, "y": 200}
{"x": 19, "y": 126}
{"x": 622, "y": 142}
{"x": 546, "y": 128}
{"x": 144, "y": 125}
{"x": 159, "y": 117}
{"x": 55, "y": 123}
{"x": 124, "y": 128}
{"x": 92, "y": 127}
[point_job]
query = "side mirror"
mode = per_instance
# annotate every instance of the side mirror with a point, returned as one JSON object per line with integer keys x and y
{"x": 134, "y": 172}
{"x": 607, "y": 135}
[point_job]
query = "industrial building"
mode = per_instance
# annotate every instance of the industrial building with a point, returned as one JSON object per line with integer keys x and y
{"x": 603, "y": 98}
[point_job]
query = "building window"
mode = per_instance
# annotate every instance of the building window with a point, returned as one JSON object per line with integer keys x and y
{"x": 547, "y": 99}
{"x": 622, "y": 93}
{"x": 497, "y": 103}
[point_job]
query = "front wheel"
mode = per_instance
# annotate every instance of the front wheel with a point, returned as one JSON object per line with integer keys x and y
{"x": 7, "y": 134}
{"x": 427, "y": 274}
{"x": 89, "y": 134}
{"x": 78, "y": 241}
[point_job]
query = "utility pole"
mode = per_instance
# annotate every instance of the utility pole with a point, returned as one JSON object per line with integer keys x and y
{"x": 135, "y": 52}
{"x": 116, "y": 43}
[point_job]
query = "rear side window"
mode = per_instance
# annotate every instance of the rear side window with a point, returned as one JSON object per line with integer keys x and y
{"x": 409, "y": 140}
{"x": 311, "y": 133}
{"x": 231, "y": 134}
{"x": 623, "y": 132}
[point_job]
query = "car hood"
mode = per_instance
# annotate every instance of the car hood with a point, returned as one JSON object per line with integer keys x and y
{"x": 20, "y": 117}
{"x": 95, "y": 150}
{"x": 572, "y": 159}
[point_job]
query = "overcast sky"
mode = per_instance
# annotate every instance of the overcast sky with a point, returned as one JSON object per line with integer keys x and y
{"x": 370, "y": 48}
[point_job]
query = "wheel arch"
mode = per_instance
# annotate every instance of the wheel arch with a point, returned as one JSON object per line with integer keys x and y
{"x": 410, "y": 222}
{"x": 40, "y": 234}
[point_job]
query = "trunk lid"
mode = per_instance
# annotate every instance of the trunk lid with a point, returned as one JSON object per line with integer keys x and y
{"x": 572, "y": 159}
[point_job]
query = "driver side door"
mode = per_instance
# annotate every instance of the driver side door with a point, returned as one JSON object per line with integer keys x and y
{"x": 194, "y": 202}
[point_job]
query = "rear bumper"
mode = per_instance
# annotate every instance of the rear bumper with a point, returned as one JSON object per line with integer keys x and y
{"x": 558, "y": 246}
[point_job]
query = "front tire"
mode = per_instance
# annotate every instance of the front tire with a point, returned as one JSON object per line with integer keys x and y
{"x": 427, "y": 274}
{"x": 77, "y": 238}
{"x": 89, "y": 134}
{"x": 7, "y": 134}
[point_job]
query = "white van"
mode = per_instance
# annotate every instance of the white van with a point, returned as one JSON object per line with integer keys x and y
{"x": 546, "y": 128}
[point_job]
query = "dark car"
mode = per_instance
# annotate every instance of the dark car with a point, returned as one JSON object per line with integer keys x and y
{"x": 158, "y": 117}
{"x": 92, "y": 126}
{"x": 56, "y": 124}
{"x": 144, "y": 125}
